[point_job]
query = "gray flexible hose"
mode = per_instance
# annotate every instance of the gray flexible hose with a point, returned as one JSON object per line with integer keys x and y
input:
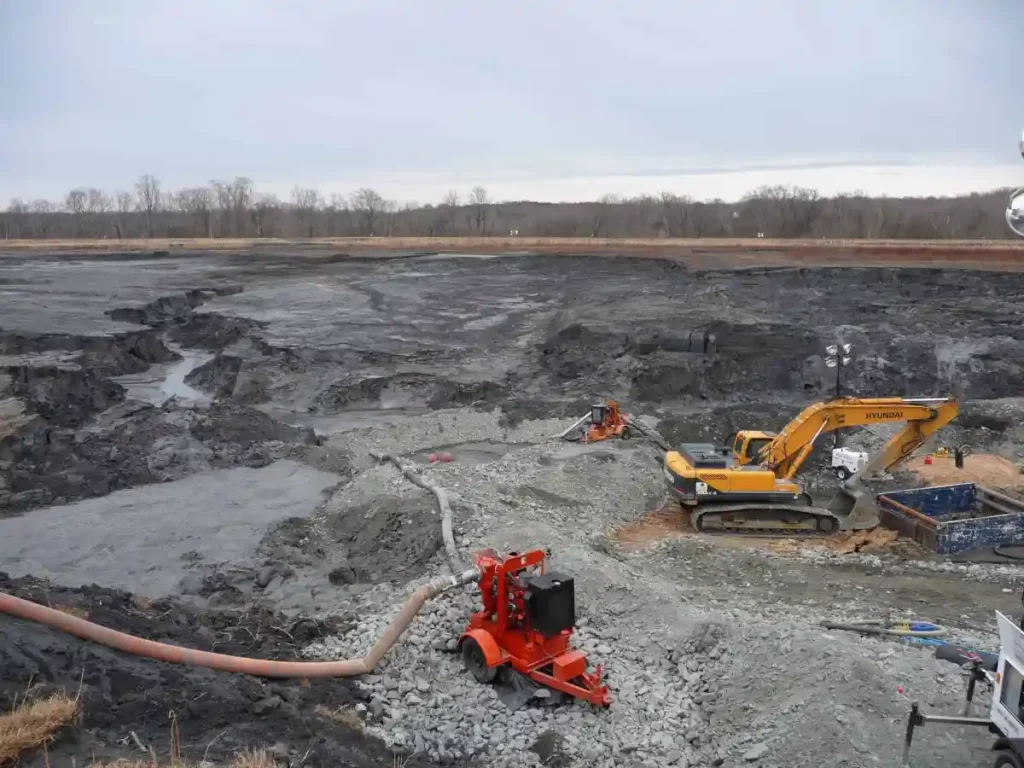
{"x": 443, "y": 507}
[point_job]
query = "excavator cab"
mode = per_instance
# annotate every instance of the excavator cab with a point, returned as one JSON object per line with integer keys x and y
{"x": 747, "y": 444}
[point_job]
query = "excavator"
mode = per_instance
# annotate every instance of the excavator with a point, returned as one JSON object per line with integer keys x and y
{"x": 748, "y": 487}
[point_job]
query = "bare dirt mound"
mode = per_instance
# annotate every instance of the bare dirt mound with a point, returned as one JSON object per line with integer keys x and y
{"x": 217, "y": 713}
{"x": 984, "y": 469}
{"x": 664, "y": 522}
{"x": 392, "y": 538}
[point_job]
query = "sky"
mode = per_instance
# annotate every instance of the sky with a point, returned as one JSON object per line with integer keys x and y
{"x": 547, "y": 100}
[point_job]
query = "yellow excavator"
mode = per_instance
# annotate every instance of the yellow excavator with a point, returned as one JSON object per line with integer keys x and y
{"x": 748, "y": 486}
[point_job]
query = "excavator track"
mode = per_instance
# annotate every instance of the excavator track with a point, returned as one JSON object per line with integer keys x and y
{"x": 754, "y": 519}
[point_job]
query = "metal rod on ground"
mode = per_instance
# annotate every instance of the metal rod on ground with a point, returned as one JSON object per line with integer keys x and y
{"x": 582, "y": 419}
{"x": 443, "y": 507}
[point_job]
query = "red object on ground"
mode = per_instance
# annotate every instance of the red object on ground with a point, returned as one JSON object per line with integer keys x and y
{"x": 519, "y": 601}
{"x": 606, "y": 422}
{"x": 446, "y": 457}
{"x": 928, "y": 459}
{"x": 432, "y": 458}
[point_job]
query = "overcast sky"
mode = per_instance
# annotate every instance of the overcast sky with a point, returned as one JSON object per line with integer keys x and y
{"x": 564, "y": 99}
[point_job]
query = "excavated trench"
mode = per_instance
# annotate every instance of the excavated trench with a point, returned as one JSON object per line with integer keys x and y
{"x": 255, "y": 371}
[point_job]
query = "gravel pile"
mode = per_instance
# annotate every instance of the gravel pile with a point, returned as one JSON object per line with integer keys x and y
{"x": 422, "y": 700}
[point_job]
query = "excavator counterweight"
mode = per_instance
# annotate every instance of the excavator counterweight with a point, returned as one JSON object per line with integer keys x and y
{"x": 748, "y": 485}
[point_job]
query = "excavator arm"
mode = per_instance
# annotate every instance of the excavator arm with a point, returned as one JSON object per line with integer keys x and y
{"x": 788, "y": 450}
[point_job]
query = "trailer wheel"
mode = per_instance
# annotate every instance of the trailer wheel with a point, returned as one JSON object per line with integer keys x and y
{"x": 843, "y": 473}
{"x": 473, "y": 659}
{"x": 625, "y": 434}
{"x": 1006, "y": 758}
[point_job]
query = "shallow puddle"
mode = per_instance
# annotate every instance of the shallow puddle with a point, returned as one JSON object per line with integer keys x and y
{"x": 166, "y": 380}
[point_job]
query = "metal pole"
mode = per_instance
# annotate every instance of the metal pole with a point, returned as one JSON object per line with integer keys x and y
{"x": 975, "y": 674}
{"x": 839, "y": 389}
{"x": 912, "y": 722}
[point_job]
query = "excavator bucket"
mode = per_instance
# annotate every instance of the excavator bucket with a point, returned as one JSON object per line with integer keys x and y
{"x": 854, "y": 506}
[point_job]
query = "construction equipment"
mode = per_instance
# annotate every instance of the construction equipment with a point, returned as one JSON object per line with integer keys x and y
{"x": 748, "y": 485}
{"x": 605, "y": 422}
{"x": 847, "y": 462}
{"x": 527, "y": 619}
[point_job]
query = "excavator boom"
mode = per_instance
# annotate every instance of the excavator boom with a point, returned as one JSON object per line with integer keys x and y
{"x": 923, "y": 416}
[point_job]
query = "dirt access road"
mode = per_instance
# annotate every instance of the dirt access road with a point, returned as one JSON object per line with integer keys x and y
{"x": 211, "y": 415}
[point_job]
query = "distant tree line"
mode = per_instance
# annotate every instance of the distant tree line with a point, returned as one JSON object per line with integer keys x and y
{"x": 233, "y": 209}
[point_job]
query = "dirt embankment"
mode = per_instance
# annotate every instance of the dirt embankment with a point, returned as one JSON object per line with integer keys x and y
{"x": 760, "y": 334}
{"x": 1007, "y": 249}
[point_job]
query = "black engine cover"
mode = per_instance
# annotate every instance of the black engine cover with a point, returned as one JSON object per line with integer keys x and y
{"x": 550, "y": 603}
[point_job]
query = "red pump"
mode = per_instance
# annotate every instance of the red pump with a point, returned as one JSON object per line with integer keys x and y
{"x": 527, "y": 618}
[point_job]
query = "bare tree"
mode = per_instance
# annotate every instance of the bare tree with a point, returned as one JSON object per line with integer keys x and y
{"x": 74, "y": 203}
{"x": 125, "y": 205}
{"x": 241, "y": 199}
{"x": 97, "y": 201}
{"x": 368, "y": 204}
{"x": 447, "y": 213}
{"x": 265, "y": 214}
{"x": 18, "y": 219}
{"x": 223, "y": 192}
{"x": 195, "y": 203}
{"x": 306, "y": 202}
{"x": 43, "y": 215}
{"x": 390, "y": 210}
{"x": 148, "y": 190}
{"x": 479, "y": 200}
{"x": 97, "y": 206}
{"x": 336, "y": 213}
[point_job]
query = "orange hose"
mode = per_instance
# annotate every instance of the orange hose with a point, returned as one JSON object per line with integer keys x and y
{"x": 176, "y": 654}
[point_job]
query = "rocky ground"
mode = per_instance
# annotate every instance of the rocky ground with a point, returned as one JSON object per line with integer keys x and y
{"x": 196, "y": 432}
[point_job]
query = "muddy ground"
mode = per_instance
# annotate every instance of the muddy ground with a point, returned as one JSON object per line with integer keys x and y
{"x": 195, "y": 431}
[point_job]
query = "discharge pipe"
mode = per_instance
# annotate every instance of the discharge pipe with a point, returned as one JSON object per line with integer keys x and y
{"x": 176, "y": 654}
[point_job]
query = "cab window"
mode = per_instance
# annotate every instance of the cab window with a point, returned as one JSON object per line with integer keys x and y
{"x": 1011, "y": 694}
{"x": 754, "y": 447}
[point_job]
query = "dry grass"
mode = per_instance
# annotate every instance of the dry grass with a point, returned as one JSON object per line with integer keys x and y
{"x": 33, "y": 724}
{"x": 344, "y": 715}
{"x": 248, "y": 759}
